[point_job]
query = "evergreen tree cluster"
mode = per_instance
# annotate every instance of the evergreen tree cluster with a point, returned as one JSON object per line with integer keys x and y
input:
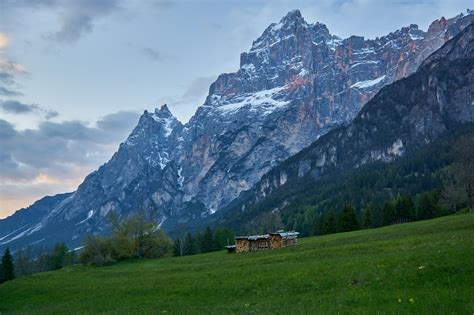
{"x": 33, "y": 260}
{"x": 400, "y": 209}
{"x": 204, "y": 242}
{"x": 38, "y": 259}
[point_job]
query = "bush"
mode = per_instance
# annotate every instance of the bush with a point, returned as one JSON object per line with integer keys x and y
{"x": 464, "y": 211}
{"x": 97, "y": 251}
{"x": 134, "y": 237}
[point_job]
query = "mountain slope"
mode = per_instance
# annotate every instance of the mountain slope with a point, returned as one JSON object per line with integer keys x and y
{"x": 416, "y": 268}
{"x": 402, "y": 118}
{"x": 295, "y": 84}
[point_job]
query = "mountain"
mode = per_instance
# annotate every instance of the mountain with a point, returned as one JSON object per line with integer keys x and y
{"x": 403, "y": 119}
{"x": 296, "y": 83}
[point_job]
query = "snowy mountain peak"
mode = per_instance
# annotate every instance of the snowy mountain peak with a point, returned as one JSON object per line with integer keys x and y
{"x": 166, "y": 119}
{"x": 288, "y": 26}
{"x": 163, "y": 112}
{"x": 292, "y": 16}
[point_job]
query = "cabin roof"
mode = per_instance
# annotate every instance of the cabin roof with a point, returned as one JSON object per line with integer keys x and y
{"x": 253, "y": 237}
{"x": 282, "y": 233}
{"x": 286, "y": 234}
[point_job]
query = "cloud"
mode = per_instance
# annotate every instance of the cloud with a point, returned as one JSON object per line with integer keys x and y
{"x": 55, "y": 146}
{"x": 6, "y": 78}
{"x": 7, "y": 92}
{"x": 118, "y": 121}
{"x": 151, "y": 53}
{"x": 9, "y": 70}
{"x": 56, "y": 156}
{"x": 76, "y": 17}
{"x": 16, "y": 107}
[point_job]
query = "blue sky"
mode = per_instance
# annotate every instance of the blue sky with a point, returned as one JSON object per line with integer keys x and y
{"x": 75, "y": 74}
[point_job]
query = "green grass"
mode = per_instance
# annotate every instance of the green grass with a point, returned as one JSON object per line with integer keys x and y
{"x": 419, "y": 268}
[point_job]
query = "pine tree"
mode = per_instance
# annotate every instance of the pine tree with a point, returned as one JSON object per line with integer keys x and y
{"x": 222, "y": 238}
{"x": 178, "y": 248}
{"x": 59, "y": 257}
{"x": 424, "y": 208}
{"x": 189, "y": 247}
{"x": 348, "y": 219}
{"x": 329, "y": 223}
{"x": 405, "y": 208}
{"x": 207, "y": 244}
{"x": 388, "y": 213}
{"x": 368, "y": 221}
{"x": 8, "y": 266}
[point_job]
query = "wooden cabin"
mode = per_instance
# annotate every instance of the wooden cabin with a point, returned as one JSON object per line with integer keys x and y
{"x": 267, "y": 241}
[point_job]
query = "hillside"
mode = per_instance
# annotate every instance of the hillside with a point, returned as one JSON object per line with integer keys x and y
{"x": 419, "y": 268}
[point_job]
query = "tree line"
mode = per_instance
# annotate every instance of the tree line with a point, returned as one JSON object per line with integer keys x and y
{"x": 401, "y": 209}
{"x": 203, "y": 242}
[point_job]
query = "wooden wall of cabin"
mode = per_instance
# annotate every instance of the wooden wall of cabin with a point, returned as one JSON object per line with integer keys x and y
{"x": 291, "y": 241}
{"x": 260, "y": 244}
{"x": 276, "y": 241}
{"x": 242, "y": 246}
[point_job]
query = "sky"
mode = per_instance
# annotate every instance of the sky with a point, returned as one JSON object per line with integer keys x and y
{"x": 75, "y": 75}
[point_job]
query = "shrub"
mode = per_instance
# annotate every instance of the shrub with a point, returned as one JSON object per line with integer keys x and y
{"x": 136, "y": 236}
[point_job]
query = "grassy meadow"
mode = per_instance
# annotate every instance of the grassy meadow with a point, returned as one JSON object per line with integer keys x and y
{"x": 423, "y": 267}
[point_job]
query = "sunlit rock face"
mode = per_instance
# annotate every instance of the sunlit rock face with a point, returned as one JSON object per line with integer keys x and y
{"x": 297, "y": 82}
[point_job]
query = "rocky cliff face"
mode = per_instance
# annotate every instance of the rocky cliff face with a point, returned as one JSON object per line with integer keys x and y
{"x": 295, "y": 84}
{"x": 401, "y": 118}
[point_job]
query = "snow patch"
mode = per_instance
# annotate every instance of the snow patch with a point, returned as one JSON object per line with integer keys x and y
{"x": 249, "y": 67}
{"x": 161, "y": 161}
{"x": 367, "y": 83}
{"x": 415, "y": 37}
{"x": 39, "y": 241}
{"x": 364, "y": 51}
{"x": 276, "y": 27}
{"x": 396, "y": 148}
{"x": 333, "y": 43}
{"x": 89, "y": 215}
{"x": 283, "y": 178}
{"x": 259, "y": 46}
{"x": 368, "y": 62}
{"x": 161, "y": 222}
{"x": 180, "y": 177}
{"x": 36, "y": 228}
{"x": 166, "y": 123}
{"x": 5, "y": 236}
{"x": 16, "y": 237}
{"x": 263, "y": 100}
